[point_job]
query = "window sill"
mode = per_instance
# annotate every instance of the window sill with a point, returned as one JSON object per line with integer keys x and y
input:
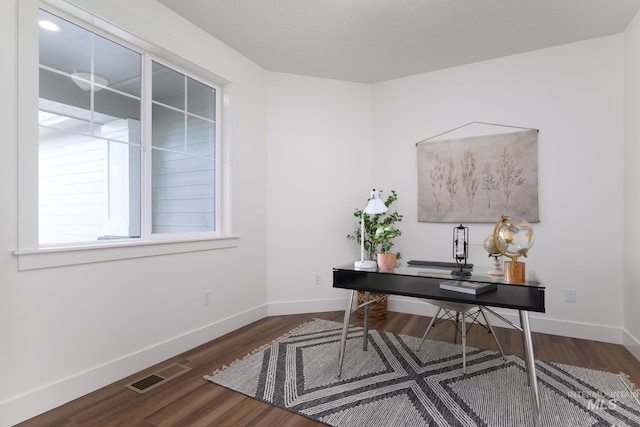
{"x": 112, "y": 251}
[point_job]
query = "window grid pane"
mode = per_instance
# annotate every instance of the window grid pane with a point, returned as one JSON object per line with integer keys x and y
{"x": 183, "y": 193}
{"x": 183, "y": 154}
{"x": 89, "y": 140}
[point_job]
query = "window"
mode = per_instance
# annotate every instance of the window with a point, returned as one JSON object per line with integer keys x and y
{"x": 127, "y": 143}
{"x": 126, "y": 158}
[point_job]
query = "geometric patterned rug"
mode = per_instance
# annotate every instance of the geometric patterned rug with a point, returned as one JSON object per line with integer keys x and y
{"x": 393, "y": 385}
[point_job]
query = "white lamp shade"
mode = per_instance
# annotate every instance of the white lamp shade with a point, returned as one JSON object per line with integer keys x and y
{"x": 375, "y": 205}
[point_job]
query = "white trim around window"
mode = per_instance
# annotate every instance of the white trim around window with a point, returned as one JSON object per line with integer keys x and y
{"x": 85, "y": 254}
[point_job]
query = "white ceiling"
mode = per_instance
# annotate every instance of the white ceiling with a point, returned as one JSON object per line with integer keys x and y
{"x": 375, "y": 40}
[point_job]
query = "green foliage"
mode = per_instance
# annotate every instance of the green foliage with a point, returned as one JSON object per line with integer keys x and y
{"x": 384, "y": 236}
{"x": 373, "y": 244}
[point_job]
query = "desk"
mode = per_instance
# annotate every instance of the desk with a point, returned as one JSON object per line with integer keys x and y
{"x": 421, "y": 282}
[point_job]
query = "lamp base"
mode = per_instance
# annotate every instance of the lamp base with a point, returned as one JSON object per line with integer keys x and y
{"x": 365, "y": 265}
{"x": 514, "y": 272}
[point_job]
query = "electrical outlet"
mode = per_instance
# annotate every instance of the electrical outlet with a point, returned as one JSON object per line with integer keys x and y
{"x": 208, "y": 298}
{"x": 317, "y": 279}
{"x": 570, "y": 295}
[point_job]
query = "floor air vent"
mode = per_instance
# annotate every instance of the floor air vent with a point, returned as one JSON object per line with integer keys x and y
{"x": 157, "y": 378}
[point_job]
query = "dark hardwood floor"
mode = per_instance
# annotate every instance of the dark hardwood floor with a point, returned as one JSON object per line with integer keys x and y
{"x": 189, "y": 400}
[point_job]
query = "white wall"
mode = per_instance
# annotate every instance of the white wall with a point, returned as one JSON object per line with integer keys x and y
{"x": 574, "y": 95}
{"x": 319, "y": 139}
{"x": 632, "y": 187}
{"x": 69, "y": 330}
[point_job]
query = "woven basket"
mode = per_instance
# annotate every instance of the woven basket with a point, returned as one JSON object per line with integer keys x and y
{"x": 377, "y": 310}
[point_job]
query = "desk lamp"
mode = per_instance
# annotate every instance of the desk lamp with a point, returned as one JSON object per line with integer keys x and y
{"x": 461, "y": 249}
{"x": 374, "y": 206}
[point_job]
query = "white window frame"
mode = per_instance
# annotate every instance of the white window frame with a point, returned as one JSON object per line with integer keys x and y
{"x": 29, "y": 252}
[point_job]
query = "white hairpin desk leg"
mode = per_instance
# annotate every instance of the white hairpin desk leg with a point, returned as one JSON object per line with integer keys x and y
{"x": 531, "y": 363}
{"x": 345, "y": 329}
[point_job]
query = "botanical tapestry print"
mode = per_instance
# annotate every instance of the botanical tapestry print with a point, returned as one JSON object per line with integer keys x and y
{"x": 476, "y": 179}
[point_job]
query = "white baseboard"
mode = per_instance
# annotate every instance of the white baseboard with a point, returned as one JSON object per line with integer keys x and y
{"x": 49, "y": 396}
{"x": 632, "y": 344}
{"x": 283, "y": 308}
{"x": 539, "y": 321}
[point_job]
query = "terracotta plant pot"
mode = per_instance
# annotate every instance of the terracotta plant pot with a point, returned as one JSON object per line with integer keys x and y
{"x": 387, "y": 261}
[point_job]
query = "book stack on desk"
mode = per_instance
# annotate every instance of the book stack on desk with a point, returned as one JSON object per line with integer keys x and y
{"x": 472, "y": 288}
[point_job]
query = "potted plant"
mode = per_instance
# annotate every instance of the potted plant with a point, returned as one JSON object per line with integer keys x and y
{"x": 372, "y": 245}
{"x": 371, "y": 223}
{"x": 384, "y": 236}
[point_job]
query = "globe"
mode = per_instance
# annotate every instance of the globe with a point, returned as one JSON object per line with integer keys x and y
{"x": 513, "y": 237}
{"x": 490, "y": 246}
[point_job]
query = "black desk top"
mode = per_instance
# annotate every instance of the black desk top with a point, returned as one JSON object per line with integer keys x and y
{"x": 424, "y": 282}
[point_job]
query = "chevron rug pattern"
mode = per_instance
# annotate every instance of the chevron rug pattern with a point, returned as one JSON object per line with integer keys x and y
{"x": 393, "y": 385}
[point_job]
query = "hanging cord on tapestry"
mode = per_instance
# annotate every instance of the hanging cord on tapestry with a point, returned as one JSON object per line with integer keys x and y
{"x": 475, "y": 123}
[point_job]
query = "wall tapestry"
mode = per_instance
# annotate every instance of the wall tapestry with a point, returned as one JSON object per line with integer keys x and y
{"x": 478, "y": 178}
